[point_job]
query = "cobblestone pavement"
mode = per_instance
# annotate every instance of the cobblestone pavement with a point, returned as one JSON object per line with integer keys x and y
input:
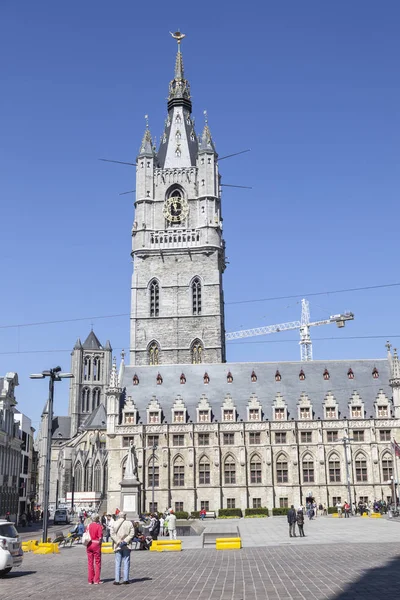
{"x": 351, "y": 571}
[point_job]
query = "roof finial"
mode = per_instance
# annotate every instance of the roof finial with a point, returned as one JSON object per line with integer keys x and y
{"x": 178, "y": 36}
{"x": 205, "y": 117}
{"x": 146, "y": 118}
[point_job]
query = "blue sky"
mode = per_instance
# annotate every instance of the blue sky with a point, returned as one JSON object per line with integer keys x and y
{"x": 312, "y": 88}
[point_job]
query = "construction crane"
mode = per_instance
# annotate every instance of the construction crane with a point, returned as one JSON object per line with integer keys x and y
{"x": 303, "y": 325}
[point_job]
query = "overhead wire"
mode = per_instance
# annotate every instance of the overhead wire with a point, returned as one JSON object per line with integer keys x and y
{"x": 88, "y": 318}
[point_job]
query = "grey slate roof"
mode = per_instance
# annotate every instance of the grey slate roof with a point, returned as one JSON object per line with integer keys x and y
{"x": 265, "y": 388}
{"x": 61, "y": 428}
{"x": 97, "y": 419}
{"x": 92, "y": 342}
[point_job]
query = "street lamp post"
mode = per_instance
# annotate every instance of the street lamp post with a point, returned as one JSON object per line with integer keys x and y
{"x": 345, "y": 441}
{"x": 53, "y": 375}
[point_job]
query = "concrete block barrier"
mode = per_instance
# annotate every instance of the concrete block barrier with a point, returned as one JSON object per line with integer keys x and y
{"x": 166, "y": 546}
{"x": 47, "y": 548}
{"x": 234, "y": 543}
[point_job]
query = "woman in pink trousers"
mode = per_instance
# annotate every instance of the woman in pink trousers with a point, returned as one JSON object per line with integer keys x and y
{"x": 93, "y": 550}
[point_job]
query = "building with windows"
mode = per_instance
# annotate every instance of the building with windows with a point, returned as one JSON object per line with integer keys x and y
{"x": 209, "y": 434}
{"x": 10, "y": 447}
{"x": 26, "y": 487}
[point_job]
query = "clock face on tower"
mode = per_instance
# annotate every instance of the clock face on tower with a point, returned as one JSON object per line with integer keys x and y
{"x": 175, "y": 209}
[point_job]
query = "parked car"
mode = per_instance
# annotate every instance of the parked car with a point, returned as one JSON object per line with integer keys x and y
{"x": 61, "y": 516}
{"x": 10, "y": 548}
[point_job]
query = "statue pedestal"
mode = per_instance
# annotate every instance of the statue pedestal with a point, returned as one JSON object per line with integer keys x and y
{"x": 130, "y": 498}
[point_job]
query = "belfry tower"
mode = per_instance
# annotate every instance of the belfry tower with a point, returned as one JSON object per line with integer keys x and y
{"x": 177, "y": 307}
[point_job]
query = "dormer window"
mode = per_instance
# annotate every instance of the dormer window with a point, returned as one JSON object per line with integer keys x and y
{"x": 129, "y": 418}
{"x": 229, "y": 414}
{"x": 182, "y": 379}
{"x": 179, "y": 416}
{"x": 330, "y": 412}
{"x": 383, "y": 411}
{"x": 204, "y": 416}
{"x": 305, "y": 413}
{"x": 154, "y": 416}
{"x": 135, "y": 380}
{"x": 356, "y": 412}
{"x": 279, "y": 414}
{"x": 229, "y": 377}
{"x": 253, "y": 377}
{"x": 206, "y": 378}
{"x": 350, "y": 374}
{"x": 326, "y": 375}
{"x": 375, "y": 373}
{"x": 302, "y": 375}
{"x": 254, "y": 414}
{"x": 159, "y": 379}
{"x": 278, "y": 376}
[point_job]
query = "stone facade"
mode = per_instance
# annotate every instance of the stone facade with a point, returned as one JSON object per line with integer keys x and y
{"x": 27, "y": 492}
{"x": 10, "y": 447}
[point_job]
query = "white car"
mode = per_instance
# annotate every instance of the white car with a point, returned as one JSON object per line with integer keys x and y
{"x": 10, "y": 548}
{"x": 61, "y": 516}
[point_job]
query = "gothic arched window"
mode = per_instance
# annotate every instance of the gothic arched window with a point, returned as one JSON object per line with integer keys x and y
{"x": 255, "y": 470}
{"x": 196, "y": 296}
{"x": 230, "y": 470}
{"x": 326, "y": 375}
{"x": 154, "y": 298}
{"x": 204, "y": 470}
{"x": 87, "y": 368}
{"x": 278, "y": 376}
{"x": 154, "y": 353}
{"x": 85, "y": 402}
{"x": 88, "y": 479}
{"x": 253, "y": 377}
{"x": 282, "y": 474}
{"x": 97, "y": 478}
{"x": 361, "y": 468}
{"x": 387, "y": 467}
{"x": 105, "y": 478}
{"x": 78, "y": 478}
{"x": 334, "y": 469}
{"x": 96, "y": 368}
{"x": 95, "y": 400}
{"x": 197, "y": 352}
{"x": 308, "y": 469}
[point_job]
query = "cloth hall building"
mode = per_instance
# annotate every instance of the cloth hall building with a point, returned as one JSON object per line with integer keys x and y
{"x": 222, "y": 434}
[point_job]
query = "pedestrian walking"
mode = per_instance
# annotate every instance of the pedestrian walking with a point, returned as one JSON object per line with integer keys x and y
{"x": 122, "y": 534}
{"x": 346, "y": 510}
{"x": 292, "y": 518}
{"x": 300, "y": 522}
{"x": 339, "y": 509}
{"x": 93, "y": 550}
{"x": 171, "y": 525}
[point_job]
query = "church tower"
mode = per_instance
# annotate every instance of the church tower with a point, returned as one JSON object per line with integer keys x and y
{"x": 91, "y": 366}
{"x": 177, "y": 307}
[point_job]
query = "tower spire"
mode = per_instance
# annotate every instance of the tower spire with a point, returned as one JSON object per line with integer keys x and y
{"x": 146, "y": 147}
{"x": 206, "y": 141}
{"x": 179, "y": 88}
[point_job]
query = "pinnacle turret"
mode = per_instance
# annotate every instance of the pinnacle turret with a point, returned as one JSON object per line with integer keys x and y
{"x": 206, "y": 141}
{"x": 146, "y": 147}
